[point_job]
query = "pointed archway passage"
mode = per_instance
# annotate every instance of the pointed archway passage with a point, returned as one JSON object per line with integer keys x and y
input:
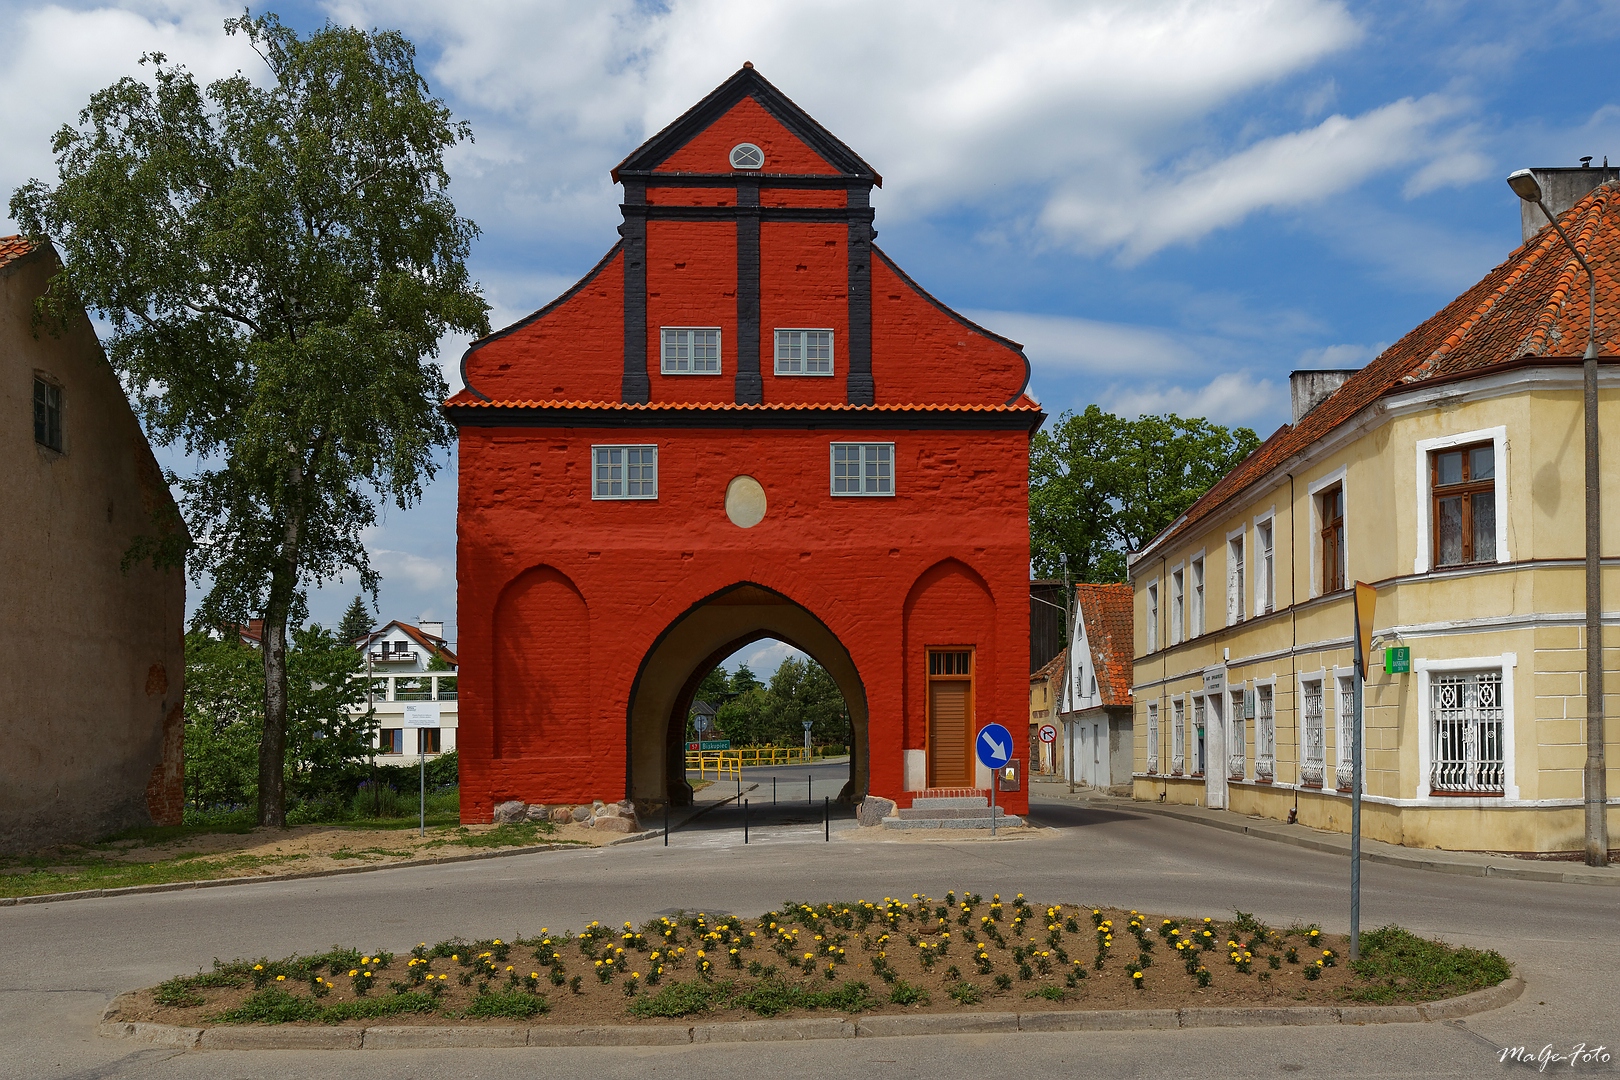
{"x": 690, "y": 647}
{"x": 745, "y": 421}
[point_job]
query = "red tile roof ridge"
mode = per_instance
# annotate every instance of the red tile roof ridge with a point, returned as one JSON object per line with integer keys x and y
{"x": 1516, "y": 312}
{"x": 1106, "y": 610}
{"x": 1052, "y": 667}
{"x": 13, "y": 248}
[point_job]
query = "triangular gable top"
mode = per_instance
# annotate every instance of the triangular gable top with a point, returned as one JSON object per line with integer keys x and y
{"x": 744, "y": 85}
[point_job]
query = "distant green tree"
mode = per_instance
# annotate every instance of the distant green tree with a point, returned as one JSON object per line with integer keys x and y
{"x": 357, "y": 621}
{"x": 1101, "y": 486}
{"x": 276, "y": 260}
{"x": 802, "y": 690}
{"x": 746, "y": 718}
{"x": 744, "y": 679}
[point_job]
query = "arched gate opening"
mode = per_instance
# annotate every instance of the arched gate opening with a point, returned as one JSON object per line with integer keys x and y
{"x": 690, "y": 647}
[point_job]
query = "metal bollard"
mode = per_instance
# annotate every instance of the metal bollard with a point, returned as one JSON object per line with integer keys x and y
{"x": 745, "y": 821}
{"x": 808, "y": 798}
{"x": 666, "y": 823}
{"x": 826, "y": 817}
{"x": 773, "y": 791}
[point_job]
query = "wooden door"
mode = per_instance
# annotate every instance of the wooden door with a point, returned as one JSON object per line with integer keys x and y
{"x": 950, "y": 718}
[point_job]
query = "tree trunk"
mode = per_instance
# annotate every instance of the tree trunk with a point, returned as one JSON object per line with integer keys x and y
{"x": 273, "y": 742}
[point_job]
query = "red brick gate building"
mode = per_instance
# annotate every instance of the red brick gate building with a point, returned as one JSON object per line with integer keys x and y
{"x": 745, "y": 422}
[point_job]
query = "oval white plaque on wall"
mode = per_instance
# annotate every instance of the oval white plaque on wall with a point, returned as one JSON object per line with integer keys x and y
{"x": 745, "y": 502}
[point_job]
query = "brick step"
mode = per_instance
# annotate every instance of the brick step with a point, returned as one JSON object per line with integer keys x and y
{"x": 920, "y": 813}
{"x": 965, "y": 803}
{"x": 952, "y": 823}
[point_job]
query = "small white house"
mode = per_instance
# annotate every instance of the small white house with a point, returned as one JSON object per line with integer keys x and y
{"x": 398, "y": 658}
{"x": 1095, "y": 701}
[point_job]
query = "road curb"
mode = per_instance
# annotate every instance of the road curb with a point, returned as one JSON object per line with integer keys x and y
{"x": 1267, "y": 830}
{"x": 401, "y": 1037}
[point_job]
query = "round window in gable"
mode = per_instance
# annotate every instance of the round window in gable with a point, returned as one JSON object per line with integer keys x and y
{"x": 747, "y": 156}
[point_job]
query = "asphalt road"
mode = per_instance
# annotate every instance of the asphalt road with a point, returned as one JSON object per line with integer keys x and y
{"x": 63, "y": 962}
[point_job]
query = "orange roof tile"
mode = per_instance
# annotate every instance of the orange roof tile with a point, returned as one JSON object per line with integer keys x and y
{"x": 465, "y": 399}
{"x": 1110, "y": 631}
{"x": 1533, "y": 307}
{"x": 13, "y": 248}
{"x": 1053, "y": 669}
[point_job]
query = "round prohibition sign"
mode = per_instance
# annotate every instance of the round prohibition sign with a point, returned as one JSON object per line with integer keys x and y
{"x": 1048, "y": 733}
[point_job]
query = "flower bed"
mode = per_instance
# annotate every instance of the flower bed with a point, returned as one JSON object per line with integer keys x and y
{"x": 916, "y": 954}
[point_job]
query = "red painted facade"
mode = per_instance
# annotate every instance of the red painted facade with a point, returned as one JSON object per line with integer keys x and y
{"x": 585, "y": 622}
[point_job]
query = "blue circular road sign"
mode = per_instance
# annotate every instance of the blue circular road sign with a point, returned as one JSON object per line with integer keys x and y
{"x": 994, "y": 746}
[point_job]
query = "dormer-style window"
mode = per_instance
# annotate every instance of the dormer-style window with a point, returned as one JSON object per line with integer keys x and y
{"x": 690, "y": 350}
{"x": 747, "y": 156}
{"x": 804, "y": 352}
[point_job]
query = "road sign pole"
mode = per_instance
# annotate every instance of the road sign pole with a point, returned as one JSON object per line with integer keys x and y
{"x": 421, "y": 744}
{"x": 992, "y": 804}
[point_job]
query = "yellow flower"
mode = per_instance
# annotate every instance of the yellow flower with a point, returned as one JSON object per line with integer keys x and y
{"x": 258, "y": 967}
{"x": 281, "y": 978}
{"x": 353, "y": 973}
{"x": 368, "y": 974}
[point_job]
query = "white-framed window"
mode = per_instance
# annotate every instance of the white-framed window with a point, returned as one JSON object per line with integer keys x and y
{"x": 747, "y": 156}
{"x": 1235, "y": 586}
{"x": 624, "y": 472}
{"x": 1466, "y": 721}
{"x": 1178, "y": 606}
{"x": 1265, "y": 732}
{"x": 690, "y": 350}
{"x": 1153, "y": 737}
{"x": 1330, "y": 562}
{"x": 863, "y": 468}
{"x": 804, "y": 352}
{"x": 1195, "y": 625}
{"x": 1486, "y": 496}
{"x": 1153, "y": 616}
{"x": 1197, "y": 734}
{"x": 1236, "y": 751}
{"x": 1311, "y": 750}
{"x": 1178, "y": 737}
{"x": 1265, "y": 554}
{"x": 1343, "y": 731}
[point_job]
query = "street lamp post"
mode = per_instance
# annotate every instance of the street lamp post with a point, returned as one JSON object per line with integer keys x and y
{"x": 1526, "y": 187}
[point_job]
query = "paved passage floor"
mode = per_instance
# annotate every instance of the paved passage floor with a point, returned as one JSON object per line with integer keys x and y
{"x": 62, "y": 962}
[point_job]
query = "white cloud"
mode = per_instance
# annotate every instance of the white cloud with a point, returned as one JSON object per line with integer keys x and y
{"x": 1229, "y": 398}
{"x": 419, "y": 572}
{"x": 763, "y": 658}
{"x": 1060, "y": 345}
{"x": 1343, "y": 357}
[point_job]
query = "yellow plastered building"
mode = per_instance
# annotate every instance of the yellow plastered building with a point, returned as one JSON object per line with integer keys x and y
{"x": 1449, "y": 473}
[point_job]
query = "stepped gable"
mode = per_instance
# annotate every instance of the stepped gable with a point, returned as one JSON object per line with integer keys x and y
{"x": 1531, "y": 309}
{"x": 747, "y": 251}
{"x": 1110, "y": 632}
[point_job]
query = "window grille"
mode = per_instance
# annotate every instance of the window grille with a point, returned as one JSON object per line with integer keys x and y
{"x": 1343, "y": 734}
{"x": 1463, "y": 482}
{"x": 1178, "y": 738}
{"x": 1153, "y": 739}
{"x": 804, "y": 352}
{"x": 1235, "y": 750}
{"x": 949, "y": 663}
{"x": 690, "y": 351}
{"x": 1198, "y": 736}
{"x": 1234, "y": 581}
{"x": 48, "y": 414}
{"x": 1467, "y": 725}
{"x": 863, "y": 468}
{"x": 1265, "y": 734}
{"x": 1311, "y": 754}
{"x": 624, "y": 472}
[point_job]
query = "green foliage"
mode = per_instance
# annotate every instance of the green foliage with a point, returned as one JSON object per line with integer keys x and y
{"x": 966, "y": 993}
{"x": 684, "y": 999}
{"x": 1400, "y": 966}
{"x": 1101, "y": 485}
{"x": 510, "y": 1004}
{"x": 754, "y": 714}
{"x": 276, "y": 1006}
{"x": 225, "y": 716}
{"x": 276, "y": 260}
{"x": 903, "y": 993}
{"x": 357, "y": 621}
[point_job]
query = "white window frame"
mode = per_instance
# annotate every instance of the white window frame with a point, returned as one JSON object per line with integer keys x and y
{"x": 663, "y": 350}
{"x": 1152, "y": 621}
{"x": 1235, "y": 701}
{"x": 1236, "y": 604}
{"x": 832, "y": 353}
{"x": 1178, "y": 604}
{"x": 1266, "y": 579}
{"x": 1265, "y": 765}
{"x": 1343, "y": 722}
{"x": 1312, "y": 490}
{"x": 1320, "y": 675}
{"x": 1198, "y": 611}
{"x": 1497, "y": 436}
{"x": 1178, "y": 736}
{"x": 832, "y": 472}
{"x": 1424, "y": 669}
{"x": 1153, "y": 737}
{"x": 625, "y": 480}
{"x": 740, "y": 149}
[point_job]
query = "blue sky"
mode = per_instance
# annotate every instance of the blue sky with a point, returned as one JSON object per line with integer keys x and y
{"x": 1171, "y": 204}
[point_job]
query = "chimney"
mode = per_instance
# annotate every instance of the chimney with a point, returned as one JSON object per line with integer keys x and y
{"x": 1311, "y": 387}
{"x": 1560, "y": 190}
{"x": 432, "y": 629}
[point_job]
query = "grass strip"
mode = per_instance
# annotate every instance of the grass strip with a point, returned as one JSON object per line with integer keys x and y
{"x": 1400, "y": 966}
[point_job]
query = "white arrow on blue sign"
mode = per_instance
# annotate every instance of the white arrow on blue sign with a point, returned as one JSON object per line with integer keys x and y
{"x": 994, "y": 746}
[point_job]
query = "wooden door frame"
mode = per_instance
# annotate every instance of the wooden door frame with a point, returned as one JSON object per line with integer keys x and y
{"x": 971, "y": 732}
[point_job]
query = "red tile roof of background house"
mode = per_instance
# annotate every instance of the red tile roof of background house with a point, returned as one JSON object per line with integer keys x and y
{"x": 13, "y": 248}
{"x": 1053, "y": 669}
{"x": 1106, "y": 611}
{"x": 1533, "y": 307}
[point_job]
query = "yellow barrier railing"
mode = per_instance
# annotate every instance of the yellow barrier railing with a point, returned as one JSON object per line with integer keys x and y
{"x": 730, "y": 763}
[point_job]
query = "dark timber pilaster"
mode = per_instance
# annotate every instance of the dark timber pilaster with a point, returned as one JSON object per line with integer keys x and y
{"x": 860, "y": 390}
{"x": 636, "y": 387}
{"x": 750, "y": 387}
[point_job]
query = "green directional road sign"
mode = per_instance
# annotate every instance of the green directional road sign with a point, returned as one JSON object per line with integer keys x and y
{"x": 1398, "y": 659}
{"x": 710, "y": 744}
